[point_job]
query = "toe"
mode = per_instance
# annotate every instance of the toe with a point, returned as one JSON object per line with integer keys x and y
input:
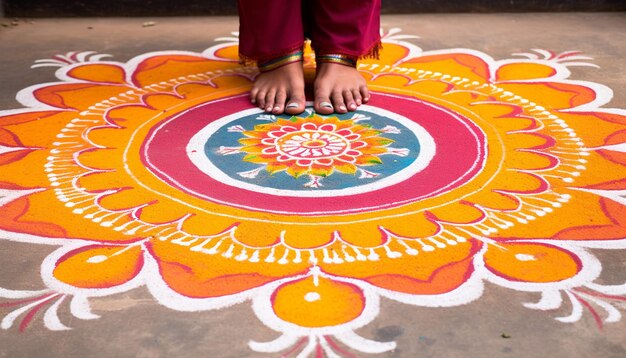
{"x": 270, "y": 97}
{"x": 323, "y": 106}
{"x": 322, "y": 102}
{"x": 338, "y": 103}
{"x": 365, "y": 93}
{"x": 357, "y": 97}
{"x": 253, "y": 95}
{"x": 260, "y": 99}
{"x": 348, "y": 99}
{"x": 279, "y": 104}
{"x": 295, "y": 105}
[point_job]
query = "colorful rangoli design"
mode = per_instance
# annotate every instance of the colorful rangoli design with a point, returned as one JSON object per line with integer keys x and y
{"x": 461, "y": 171}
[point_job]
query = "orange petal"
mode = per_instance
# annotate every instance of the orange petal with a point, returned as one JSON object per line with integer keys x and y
{"x": 346, "y": 168}
{"x": 77, "y": 96}
{"x": 564, "y": 216}
{"x": 320, "y": 170}
{"x": 426, "y": 273}
{"x": 22, "y": 172}
{"x": 523, "y": 71}
{"x": 615, "y": 230}
{"x": 161, "y": 101}
{"x": 529, "y": 161}
{"x": 552, "y": 95}
{"x": 229, "y": 53}
{"x": 127, "y": 198}
{"x": 461, "y": 213}
{"x": 318, "y": 303}
{"x": 196, "y": 274}
{"x": 525, "y": 140}
{"x": 605, "y": 170}
{"x": 158, "y": 214}
{"x": 129, "y": 116}
{"x": 14, "y": 156}
{"x": 596, "y": 128}
{"x": 413, "y": 226}
{"x": 308, "y": 237}
{"x": 366, "y": 160}
{"x": 258, "y": 235}
{"x": 365, "y": 234}
{"x": 618, "y": 137}
{"x": 100, "y": 158}
{"x": 11, "y": 219}
{"x": 443, "y": 280}
{"x": 99, "y": 266}
{"x": 10, "y": 140}
{"x": 163, "y": 68}
{"x": 456, "y": 64}
{"x": 271, "y": 168}
{"x": 527, "y": 262}
{"x": 101, "y": 73}
{"x": 207, "y": 225}
{"x": 494, "y": 200}
{"x": 37, "y": 129}
{"x": 296, "y": 171}
{"x": 25, "y": 117}
{"x": 113, "y": 141}
{"x": 43, "y": 214}
{"x": 518, "y": 182}
{"x": 390, "y": 80}
{"x": 232, "y": 81}
{"x": 98, "y": 182}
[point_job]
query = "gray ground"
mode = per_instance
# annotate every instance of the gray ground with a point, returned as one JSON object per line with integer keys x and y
{"x": 133, "y": 325}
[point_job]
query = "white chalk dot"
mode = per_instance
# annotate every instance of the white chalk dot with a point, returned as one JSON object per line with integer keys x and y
{"x": 525, "y": 257}
{"x": 312, "y": 297}
{"x": 97, "y": 259}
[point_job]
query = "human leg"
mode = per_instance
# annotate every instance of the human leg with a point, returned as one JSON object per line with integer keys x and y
{"x": 271, "y": 34}
{"x": 342, "y": 31}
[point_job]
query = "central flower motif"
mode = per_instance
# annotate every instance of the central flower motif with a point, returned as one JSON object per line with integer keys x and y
{"x": 305, "y": 146}
{"x": 314, "y": 146}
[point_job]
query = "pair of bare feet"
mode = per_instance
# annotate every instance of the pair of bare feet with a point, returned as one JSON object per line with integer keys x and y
{"x": 337, "y": 88}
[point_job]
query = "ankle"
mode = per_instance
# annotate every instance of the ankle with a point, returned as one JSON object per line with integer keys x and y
{"x": 334, "y": 58}
{"x": 282, "y": 61}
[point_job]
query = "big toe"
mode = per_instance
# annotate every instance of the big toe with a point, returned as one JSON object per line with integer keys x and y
{"x": 322, "y": 103}
{"x": 324, "y": 106}
{"x": 295, "y": 105}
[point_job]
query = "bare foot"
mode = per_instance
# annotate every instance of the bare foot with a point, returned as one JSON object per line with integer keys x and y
{"x": 272, "y": 89}
{"x": 339, "y": 88}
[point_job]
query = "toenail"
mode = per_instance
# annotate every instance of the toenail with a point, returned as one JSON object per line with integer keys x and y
{"x": 292, "y": 105}
{"x": 268, "y": 109}
{"x": 326, "y": 105}
{"x": 343, "y": 108}
{"x": 277, "y": 108}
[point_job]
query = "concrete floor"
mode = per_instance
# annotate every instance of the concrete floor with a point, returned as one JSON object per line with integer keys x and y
{"x": 133, "y": 325}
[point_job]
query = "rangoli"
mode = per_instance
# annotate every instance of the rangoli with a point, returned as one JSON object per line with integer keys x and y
{"x": 461, "y": 171}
